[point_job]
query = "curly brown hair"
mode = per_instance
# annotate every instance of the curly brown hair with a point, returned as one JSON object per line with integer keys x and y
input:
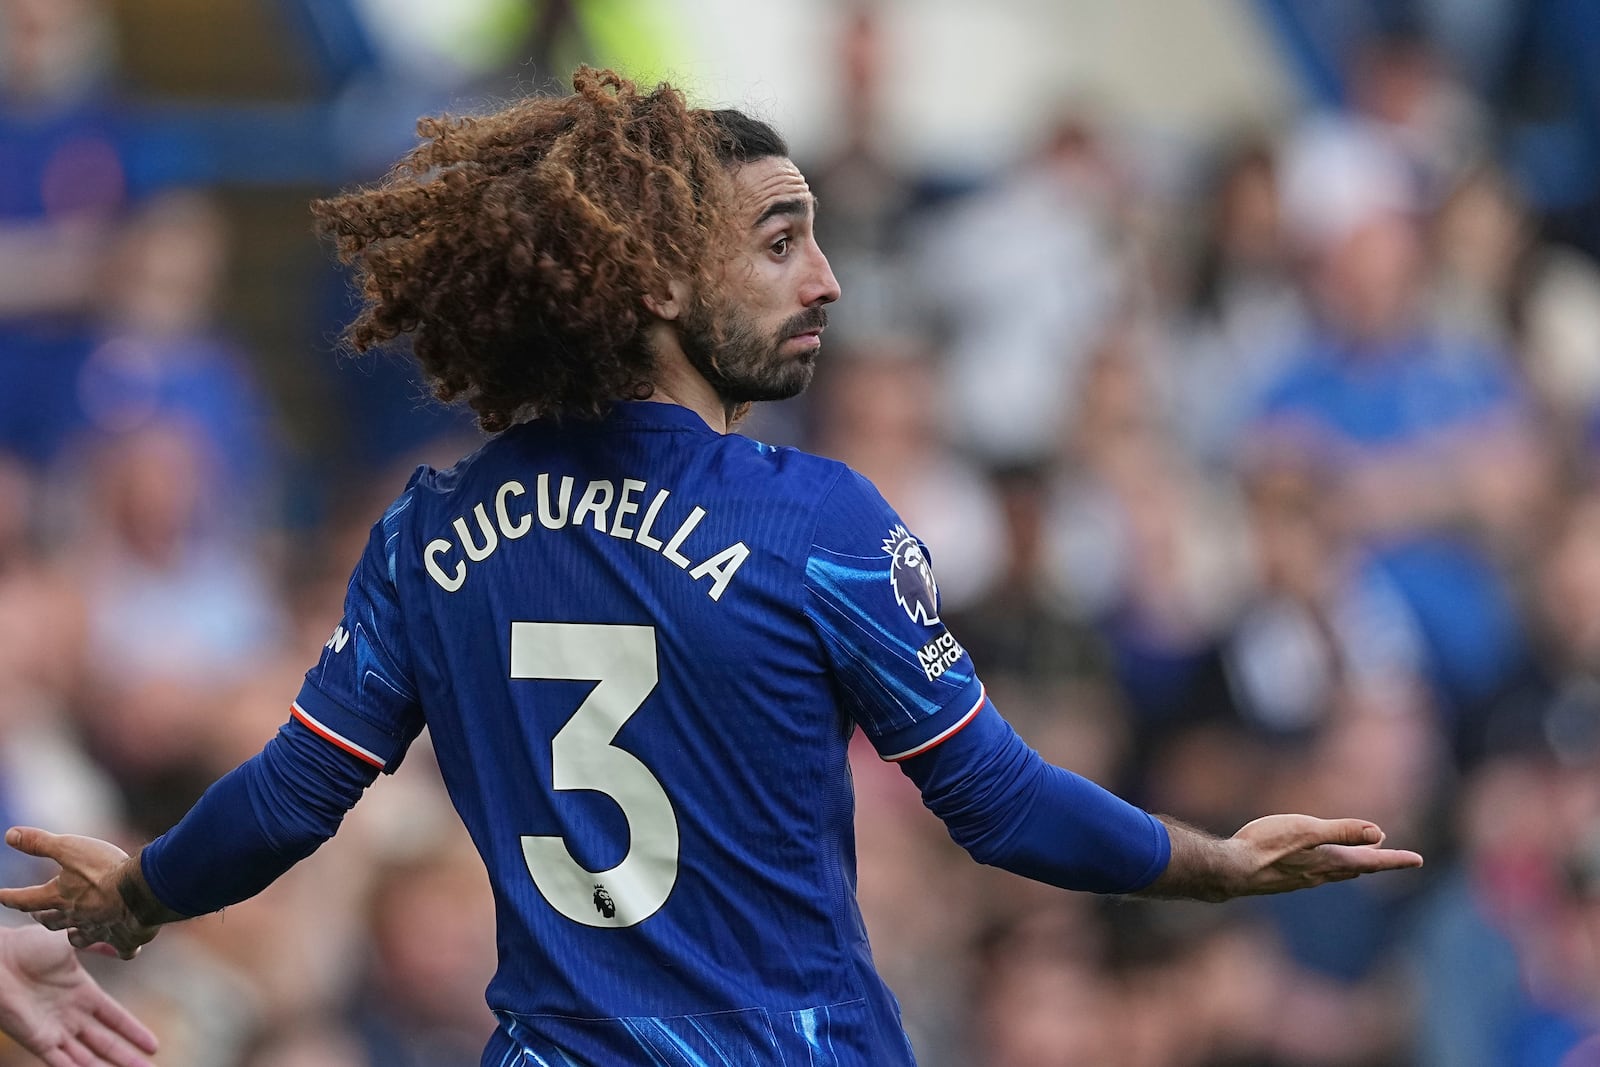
{"x": 515, "y": 249}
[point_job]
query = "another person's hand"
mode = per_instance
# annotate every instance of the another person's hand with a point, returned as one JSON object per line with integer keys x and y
{"x": 84, "y": 898}
{"x": 50, "y": 1006}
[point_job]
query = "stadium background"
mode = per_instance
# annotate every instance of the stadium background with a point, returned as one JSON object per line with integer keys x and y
{"x": 1239, "y": 362}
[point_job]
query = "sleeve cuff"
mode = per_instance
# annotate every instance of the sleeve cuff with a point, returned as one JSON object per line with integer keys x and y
{"x": 1162, "y": 857}
{"x": 934, "y": 730}
{"x": 346, "y": 730}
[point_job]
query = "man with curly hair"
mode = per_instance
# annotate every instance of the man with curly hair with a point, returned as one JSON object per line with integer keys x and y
{"x": 641, "y": 643}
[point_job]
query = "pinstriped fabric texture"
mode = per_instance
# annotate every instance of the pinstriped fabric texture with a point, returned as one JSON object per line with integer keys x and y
{"x": 640, "y": 649}
{"x": 803, "y": 1038}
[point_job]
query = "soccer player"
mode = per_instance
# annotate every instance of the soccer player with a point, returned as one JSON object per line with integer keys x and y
{"x": 641, "y": 643}
{"x": 52, "y": 1007}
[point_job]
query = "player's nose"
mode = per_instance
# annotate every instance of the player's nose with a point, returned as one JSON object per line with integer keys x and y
{"x": 821, "y": 286}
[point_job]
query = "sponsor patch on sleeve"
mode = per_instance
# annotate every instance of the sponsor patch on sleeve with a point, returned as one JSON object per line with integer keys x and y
{"x": 939, "y": 655}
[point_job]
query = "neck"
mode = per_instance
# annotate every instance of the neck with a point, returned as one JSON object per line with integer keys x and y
{"x": 677, "y": 382}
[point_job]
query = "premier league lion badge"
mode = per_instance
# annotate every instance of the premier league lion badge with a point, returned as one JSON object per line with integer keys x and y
{"x": 911, "y": 577}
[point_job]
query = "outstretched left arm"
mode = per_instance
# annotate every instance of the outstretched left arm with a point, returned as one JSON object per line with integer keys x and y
{"x": 1011, "y": 809}
{"x": 1273, "y": 854}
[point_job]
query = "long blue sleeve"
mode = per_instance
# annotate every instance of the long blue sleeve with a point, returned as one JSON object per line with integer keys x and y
{"x": 255, "y": 823}
{"x": 1010, "y": 809}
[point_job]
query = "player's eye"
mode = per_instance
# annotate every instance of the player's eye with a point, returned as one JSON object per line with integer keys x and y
{"x": 780, "y": 247}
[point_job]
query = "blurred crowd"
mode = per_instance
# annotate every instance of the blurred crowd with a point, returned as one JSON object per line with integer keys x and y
{"x": 1260, "y": 481}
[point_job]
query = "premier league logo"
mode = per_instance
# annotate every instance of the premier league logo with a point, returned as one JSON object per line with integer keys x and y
{"x": 911, "y": 577}
{"x": 603, "y": 902}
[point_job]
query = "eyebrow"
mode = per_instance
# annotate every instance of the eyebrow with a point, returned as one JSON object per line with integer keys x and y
{"x": 798, "y": 207}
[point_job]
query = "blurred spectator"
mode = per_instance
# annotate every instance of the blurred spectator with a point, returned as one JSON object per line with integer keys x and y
{"x": 1045, "y": 999}
{"x": 879, "y": 413}
{"x": 1407, "y": 91}
{"x": 172, "y": 613}
{"x": 62, "y": 181}
{"x": 1481, "y": 238}
{"x": 1507, "y": 945}
{"x": 1243, "y": 306}
{"x": 870, "y": 196}
{"x": 45, "y": 777}
{"x": 432, "y": 930}
{"x": 1320, "y": 620}
{"x": 1026, "y": 629}
{"x": 1024, "y": 276}
{"x": 1529, "y": 64}
{"x": 1423, "y": 439}
{"x": 1316, "y": 632}
{"x": 314, "y": 1044}
{"x": 163, "y": 358}
{"x": 1555, "y": 703}
{"x": 1500, "y": 286}
{"x": 1145, "y": 543}
{"x": 1344, "y": 987}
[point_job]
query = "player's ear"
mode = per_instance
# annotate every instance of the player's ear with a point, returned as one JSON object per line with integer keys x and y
{"x": 669, "y": 305}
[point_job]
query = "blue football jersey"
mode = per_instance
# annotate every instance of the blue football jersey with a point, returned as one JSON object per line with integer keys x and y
{"x": 640, "y": 648}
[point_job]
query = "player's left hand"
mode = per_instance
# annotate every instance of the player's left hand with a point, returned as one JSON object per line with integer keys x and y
{"x": 52, "y": 1007}
{"x": 83, "y": 898}
{"x": 1289, "y": 852}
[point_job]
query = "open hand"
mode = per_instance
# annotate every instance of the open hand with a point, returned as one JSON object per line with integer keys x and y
{"x": 1289, "y": 852}
{"x": 83, "y": 898}
{"x": 51, "y": 1007}
{"x": 1274, "y": 854}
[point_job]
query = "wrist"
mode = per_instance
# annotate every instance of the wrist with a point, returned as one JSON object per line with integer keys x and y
{"x": 143, "y": 905}
{"x": 1202, "y": 867}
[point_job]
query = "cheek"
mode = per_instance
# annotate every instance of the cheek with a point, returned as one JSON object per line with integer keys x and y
{"x": 762, "y": 290}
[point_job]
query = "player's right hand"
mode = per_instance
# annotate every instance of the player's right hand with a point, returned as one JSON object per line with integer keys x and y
{"x": 84, "y": 897}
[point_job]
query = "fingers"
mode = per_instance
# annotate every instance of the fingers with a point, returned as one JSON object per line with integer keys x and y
{"x": 1355, "y": 844}
{"x": 86, "y": 855}
{"x": 83, "y": 937}
{"x": 34, "y": 841}
{"x": 121, "y": 1021}
{"x": 1348, "y": 832}
{"x": 81, "y": 1054}
{"x": 1299, "y": 851}
{"x": 1290, "y": 832}
{"x": 1372, "y": 860}
{"x": 33, "y": 898}
{"x": 125, "y": 945}
{"x": 112, "y": 1048}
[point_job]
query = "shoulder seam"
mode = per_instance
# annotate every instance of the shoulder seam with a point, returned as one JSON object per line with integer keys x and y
{"x": 805, "y": 563}
{"x": 816, "y": 519}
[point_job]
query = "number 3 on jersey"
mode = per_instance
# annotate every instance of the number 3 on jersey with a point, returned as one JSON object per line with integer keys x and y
{"x": 622, "y": 659}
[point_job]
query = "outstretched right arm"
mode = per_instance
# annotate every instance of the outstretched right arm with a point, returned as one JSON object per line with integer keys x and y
{"x": 247, "y": 830}
{"x": 355, "y": 715}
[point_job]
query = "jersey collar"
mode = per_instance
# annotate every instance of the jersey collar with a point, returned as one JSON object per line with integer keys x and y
{"x": 657, "y": 413}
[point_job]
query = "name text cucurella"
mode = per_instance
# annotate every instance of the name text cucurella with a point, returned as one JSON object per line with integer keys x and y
{"x": 606, "y": 507}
